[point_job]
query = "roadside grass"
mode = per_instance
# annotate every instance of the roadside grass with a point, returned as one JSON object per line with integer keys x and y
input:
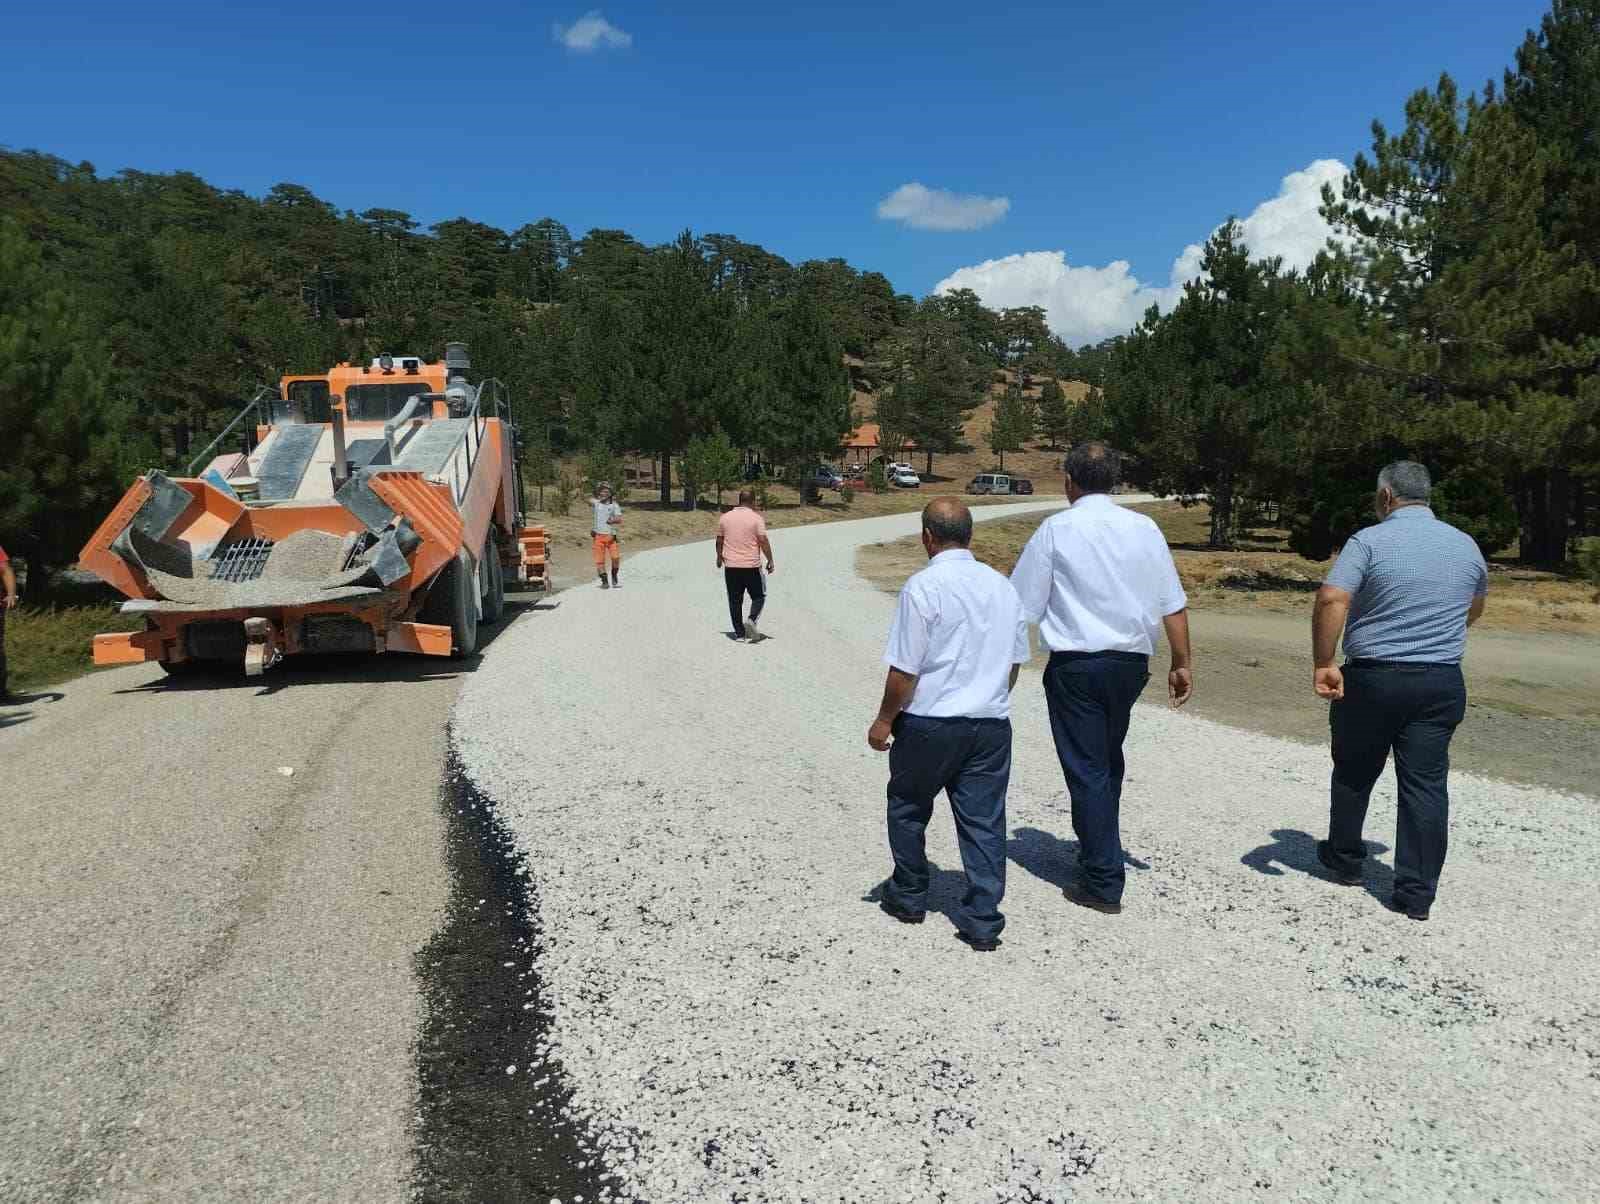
{"x": 1263, "y": 574}
{"x": 49, "y": 643}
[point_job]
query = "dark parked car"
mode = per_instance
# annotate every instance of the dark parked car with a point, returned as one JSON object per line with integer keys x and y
{"x": 1021, "y": 485}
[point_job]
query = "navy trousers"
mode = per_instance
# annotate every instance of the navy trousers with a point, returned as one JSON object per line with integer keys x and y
{"x": 1091, "y": 697}
{"x": 970, "y": 759}
{"x": 1412, "y": 709}
{"x": 739, "y": 583}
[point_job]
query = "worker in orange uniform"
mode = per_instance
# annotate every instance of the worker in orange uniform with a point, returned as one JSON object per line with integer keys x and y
{"x": 606, "y": 528}
{"x": 8, "y": 599}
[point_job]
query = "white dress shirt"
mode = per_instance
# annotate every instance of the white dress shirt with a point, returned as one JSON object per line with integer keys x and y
{"x": 959, "y": 628}
{"x": 1097, "y": 577}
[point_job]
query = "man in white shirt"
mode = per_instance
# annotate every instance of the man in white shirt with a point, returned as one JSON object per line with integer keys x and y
{"x": 1099, "y": 581}
{"x": 958, "y": 639}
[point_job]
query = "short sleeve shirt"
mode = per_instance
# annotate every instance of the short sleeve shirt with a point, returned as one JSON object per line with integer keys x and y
{"x": 4, "y": 559}
{"x": 741, "y": 530}
{"x": 1412, "y": 579}
{"x": 959, "y": 628}
{"x": 602, "y": 512}
{"x": 1098, "y": 577}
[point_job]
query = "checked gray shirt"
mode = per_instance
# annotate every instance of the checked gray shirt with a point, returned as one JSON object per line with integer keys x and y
{"x": 1413, "y": 579}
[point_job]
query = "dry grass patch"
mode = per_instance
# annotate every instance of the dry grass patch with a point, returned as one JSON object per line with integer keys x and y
{"x": 1262, "y": 574}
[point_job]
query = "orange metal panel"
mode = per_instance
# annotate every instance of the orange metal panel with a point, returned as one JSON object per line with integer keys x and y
{"x": 208, "y": 519}
{"x": 278, "y": 522}
{"x": 430, "y": 639}
{"x": 97, "y": 556}
{"x": 127, "y": 647}
{"x": 485, "y": 488}
{"x": 432, "y": 513}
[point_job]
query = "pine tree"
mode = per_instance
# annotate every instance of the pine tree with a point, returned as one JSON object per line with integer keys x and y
{"x": 1474, "y": 300}
{"x": 1054, "y": 413}
{"x": 1011, "y": 425}
{"x": 67, "y": 445}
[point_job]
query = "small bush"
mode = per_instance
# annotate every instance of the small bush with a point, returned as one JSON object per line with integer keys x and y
{"x": 563, "y": 495}
{"x": 1589, "y": 563}
{"x": 877, "y": 479}
{"x": 847, "y": 494}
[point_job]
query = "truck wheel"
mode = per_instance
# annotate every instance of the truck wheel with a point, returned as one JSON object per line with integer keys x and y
{"x": 453, "y": 601}
{"x": 494, "y": 597}
{"x": 464, "y": 620}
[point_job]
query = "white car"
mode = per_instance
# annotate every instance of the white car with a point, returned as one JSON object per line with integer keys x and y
{"x": 905, "y": 478}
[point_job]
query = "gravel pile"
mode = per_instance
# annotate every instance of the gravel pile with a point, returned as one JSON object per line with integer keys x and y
{"x": 702, "y": 820}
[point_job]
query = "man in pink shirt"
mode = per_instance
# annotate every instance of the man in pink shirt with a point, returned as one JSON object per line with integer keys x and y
{"x": 741, "y": 543}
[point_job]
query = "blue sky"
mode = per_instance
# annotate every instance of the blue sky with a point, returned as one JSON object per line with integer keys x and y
{"x": 1116, "y": 131}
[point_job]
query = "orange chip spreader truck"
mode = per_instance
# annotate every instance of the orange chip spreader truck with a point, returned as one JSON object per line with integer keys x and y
{"x": 375, "y": 508}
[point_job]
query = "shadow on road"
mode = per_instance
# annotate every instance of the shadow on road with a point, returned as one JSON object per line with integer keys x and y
{"x": 1297, "y": 850}
{"x": 1050, "y": 859}
{"x": 329, "y": 668}
{"x": 13, "y": 720}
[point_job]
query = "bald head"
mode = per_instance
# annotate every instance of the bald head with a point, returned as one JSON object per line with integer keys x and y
{"x": 947, "y": 523}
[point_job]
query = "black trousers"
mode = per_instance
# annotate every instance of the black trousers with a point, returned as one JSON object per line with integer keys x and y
{"x": 1091, "y": 697}
{"x": 970, "y": 760}
{"x": 1412, "y": 709}
{"x": 741, "y": 582}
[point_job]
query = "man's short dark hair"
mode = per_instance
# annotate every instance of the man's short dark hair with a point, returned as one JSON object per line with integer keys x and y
{"x": 948, "y": 521}
{"x": 1407, "y": 480}
{"x": 747, "y": 497}
{"x": 1093, "y": 467}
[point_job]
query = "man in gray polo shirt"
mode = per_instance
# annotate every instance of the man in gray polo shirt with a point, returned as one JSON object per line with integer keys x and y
{"x": 1403, "y": 593}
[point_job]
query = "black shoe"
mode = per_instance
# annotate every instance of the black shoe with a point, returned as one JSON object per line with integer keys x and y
{"x": 900, "y": 913}
{"x": 1342, "y": 876}
{"x": 978, "y": 944}
{"x": 1076, "y": 894}
{"x": 604, "y": 584}
{"x": 1410, "y": 912}
{"x": 616, "y": 581}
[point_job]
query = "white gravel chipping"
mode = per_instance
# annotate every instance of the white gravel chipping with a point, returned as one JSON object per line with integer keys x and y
{"x": 701, "y": 819}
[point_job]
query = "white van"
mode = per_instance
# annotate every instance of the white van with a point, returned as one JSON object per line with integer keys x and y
{"x": 990, "y": 482}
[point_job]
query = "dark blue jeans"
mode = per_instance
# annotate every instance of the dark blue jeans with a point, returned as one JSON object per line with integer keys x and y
{"x": 1091, "y": 697}
{"x": 970, "y": 759}
{"x": 1412, "y": 709}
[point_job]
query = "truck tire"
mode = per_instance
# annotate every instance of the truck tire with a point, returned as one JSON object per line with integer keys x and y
{"x": 494, "y": 597}
{"x": 453, "y": 602}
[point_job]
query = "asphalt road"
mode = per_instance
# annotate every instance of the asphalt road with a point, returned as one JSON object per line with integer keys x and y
{"x": 207, "y": 979}
{"x": 702, "y": 827}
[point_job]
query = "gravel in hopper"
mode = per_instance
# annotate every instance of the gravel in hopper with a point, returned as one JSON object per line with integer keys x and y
{"x": 702, "y": 820}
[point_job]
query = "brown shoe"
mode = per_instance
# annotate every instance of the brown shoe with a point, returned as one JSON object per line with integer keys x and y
{"x": 1076, "y": 894}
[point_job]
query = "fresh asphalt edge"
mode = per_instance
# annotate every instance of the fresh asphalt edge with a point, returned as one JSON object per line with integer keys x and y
{"x": 494, "y": 1115}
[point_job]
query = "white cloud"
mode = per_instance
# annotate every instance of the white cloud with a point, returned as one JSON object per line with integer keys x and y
{"x": 935, "y": 209}
{"x": 591, "y": 32}
{"x": 1087, "y": 304}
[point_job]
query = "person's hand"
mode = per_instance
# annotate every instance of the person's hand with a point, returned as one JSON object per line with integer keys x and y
{"x": 719, "y": 562}
{"x": 771, "y": 568}
{"x": 878, "y": 735}
{"x": 1180, "y": 686}
{"x": 1328, "y": 683}
{"x": 12, "y": 601}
